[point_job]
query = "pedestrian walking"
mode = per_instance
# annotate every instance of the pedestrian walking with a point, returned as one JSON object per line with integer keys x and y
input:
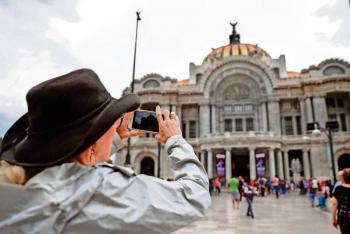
{"x": 240, "y": 187}
{"x": 55, "y": 178}
{"x": 233, "y": 185}
{"x": 322, "y": 193}
{"x": 275, "y": 186}
{"x": 262, "y": 182}
{"x": 249, "y": 195}
{"x": 211, "y": 186}
{"x": 341, "y": 204}
{"x": 312, "y": 193}
{"x": 217, "y": 185}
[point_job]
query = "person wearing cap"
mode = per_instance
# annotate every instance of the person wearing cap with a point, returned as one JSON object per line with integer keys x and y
{"x": 54, "y": 177}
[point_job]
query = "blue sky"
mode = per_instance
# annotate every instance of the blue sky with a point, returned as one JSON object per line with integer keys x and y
{"x": 42, "y": 39}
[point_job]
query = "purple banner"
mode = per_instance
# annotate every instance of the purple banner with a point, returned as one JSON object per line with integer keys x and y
{"x": 260, "y": 164}
{"x": 220, "y": 165}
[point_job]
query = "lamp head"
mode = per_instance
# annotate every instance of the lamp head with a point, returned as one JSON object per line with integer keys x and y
{"x": 316, "y": 132}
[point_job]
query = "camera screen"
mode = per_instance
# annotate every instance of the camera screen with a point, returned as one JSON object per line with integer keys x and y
{"x": 145, "y": 120}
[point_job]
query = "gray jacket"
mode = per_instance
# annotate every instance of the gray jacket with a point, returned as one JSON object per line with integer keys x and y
{"x": 75, "y": 199}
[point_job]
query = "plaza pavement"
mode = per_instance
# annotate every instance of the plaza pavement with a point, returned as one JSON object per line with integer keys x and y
{"x": 290, "y": 214}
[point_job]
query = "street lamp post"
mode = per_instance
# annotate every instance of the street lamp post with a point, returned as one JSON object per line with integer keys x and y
{"x": 328, "y": 131}
{"x": 138, "y": 18}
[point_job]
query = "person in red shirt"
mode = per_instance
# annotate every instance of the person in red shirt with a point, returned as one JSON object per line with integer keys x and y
{"x": 217, "y": 184}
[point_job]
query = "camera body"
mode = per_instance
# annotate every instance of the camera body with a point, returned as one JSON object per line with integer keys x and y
{"x": 145, "y": 120}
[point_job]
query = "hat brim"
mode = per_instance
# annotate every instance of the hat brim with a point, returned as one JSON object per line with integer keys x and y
{"x": 29, "y": 150}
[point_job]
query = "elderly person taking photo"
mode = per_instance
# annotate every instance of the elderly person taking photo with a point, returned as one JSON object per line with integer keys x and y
{"x": 341, "y": 204}
{"x": 54, "y": 177}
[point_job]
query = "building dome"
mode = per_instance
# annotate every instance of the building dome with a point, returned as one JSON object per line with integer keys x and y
{"x": 236, "y": 49}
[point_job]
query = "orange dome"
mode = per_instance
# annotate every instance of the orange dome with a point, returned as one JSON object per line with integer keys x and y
{"x": 235, "y": 50}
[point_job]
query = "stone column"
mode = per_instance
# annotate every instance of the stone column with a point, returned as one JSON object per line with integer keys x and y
{"x": 286, "y": 165}
{"x": 221, "y": 119}
{"x": 264, "y": 117}
{"x": 228, "y": 163}
{"x": 306, "y": 164}
{"x": 165, "y": 107}
{"x": 210, "y": 164}
{"x": 272, "y": 163}
{"x": 274, "y": 117}
{"x": 252, "y": 163}
{"x": 320, "y": 110}
{"x": 309, "y": 117}
{"x": 204, "y": 119}
{"x": 179, "y": 113}
{"x": 213, "y": 119}
{"x": 173, "y": 108}
{"x": 303, "y": 116}
{"x": 203, "y": 158}
{"x": 280, "y": 164}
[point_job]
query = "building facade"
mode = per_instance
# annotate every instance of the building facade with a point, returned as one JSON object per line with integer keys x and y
{"x": 245, "y": 114}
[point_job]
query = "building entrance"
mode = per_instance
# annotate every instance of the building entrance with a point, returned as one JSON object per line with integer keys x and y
{"x": 240, "y": 162}
{"x": 147, "y": 166}
{"x": 344, "y": 161}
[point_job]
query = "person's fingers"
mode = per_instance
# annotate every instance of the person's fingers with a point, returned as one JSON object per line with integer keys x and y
{"x": 159, "y": 115}
{"x": 172, "y": 115}
{"x": 177, "y": 119}
{"x": 126, "y": 119}
{"x": 166, "y": 115}
{"x": 118, "y": 123}
{"x": 157, "y": 136}
{"x": 135, "y": 132}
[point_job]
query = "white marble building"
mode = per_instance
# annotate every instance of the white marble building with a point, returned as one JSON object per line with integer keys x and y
{"x": 240, "y": 103}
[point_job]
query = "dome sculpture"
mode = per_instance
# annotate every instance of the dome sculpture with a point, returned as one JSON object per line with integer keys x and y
{"x": 236, "y": 50}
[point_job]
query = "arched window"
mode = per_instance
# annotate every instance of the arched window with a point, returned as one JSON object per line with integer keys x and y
{"x": 333, "y": 70}
{"x": 147, "y": 166}
{"x": 344, "y": 161}
{"x": 151, "y": 84}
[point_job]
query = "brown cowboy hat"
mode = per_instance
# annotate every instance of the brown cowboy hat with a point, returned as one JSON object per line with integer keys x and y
{"x": 65, "y": 116}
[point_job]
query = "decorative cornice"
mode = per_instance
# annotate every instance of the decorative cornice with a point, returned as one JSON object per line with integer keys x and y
{"x": 156, "y": 76}
{"x": 324, "y": 63}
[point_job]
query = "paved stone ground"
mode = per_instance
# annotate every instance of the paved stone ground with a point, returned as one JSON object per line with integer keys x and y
{"x": 291, "y": 214}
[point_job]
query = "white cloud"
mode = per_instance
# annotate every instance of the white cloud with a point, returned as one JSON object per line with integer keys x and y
{"x": 44, "y": 39}
{"x": 337, "y": 13}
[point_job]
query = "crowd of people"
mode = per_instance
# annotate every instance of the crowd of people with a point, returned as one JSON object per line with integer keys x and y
{"x": 243, "y": 187}
{"x": 262, "y": 186}
{"x": 317, "y": 190}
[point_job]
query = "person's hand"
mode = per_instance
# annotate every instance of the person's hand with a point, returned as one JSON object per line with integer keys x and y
{"x": 169, "y": 126}
{"x": 122, "y": 127}
{"x": 335, "y": 223}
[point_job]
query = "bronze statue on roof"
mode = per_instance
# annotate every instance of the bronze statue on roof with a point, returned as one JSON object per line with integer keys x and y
{"x": 234, "y": 37}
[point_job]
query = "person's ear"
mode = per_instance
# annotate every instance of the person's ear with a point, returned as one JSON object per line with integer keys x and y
{"x": 92, "y": 154}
